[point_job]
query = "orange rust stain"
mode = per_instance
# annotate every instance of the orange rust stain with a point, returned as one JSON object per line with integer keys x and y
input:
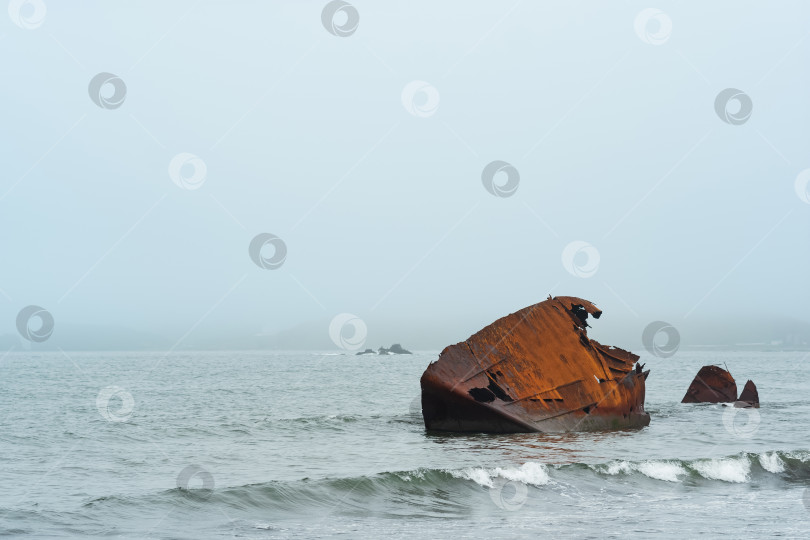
{"x": 535, "y": 370}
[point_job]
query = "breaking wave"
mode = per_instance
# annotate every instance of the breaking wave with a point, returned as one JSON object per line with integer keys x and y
{"x": 421, "y": 490}
{"x": 533, "y": 474}
{"x": 739, "y": 468}
{"x": 658, "y": 470}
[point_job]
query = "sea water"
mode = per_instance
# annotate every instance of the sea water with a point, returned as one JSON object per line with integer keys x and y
{"x": 311, "y": 444}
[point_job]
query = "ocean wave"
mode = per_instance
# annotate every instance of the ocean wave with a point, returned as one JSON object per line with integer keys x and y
{"x": 771, "y": 462}
{"x": 668, "y": 471}
{"x": 323, "y": 419}
{"x": 739, "y": 468}
{"x": 534, "y": 474}
{"x": 736, "y": 469}
{"x": 424, "y": 491}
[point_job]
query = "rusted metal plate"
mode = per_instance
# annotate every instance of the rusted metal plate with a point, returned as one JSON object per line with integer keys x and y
{"x": 712, "y": 384}
{"x": 535, "y": 370}
{"x": 749, "y": 397}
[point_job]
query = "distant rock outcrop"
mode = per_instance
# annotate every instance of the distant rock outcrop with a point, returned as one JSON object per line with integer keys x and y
{"x": 396, "y": 348}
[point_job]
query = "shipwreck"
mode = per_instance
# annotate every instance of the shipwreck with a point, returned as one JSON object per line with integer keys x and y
{"x": 713, "y": 384}
{"x": 535, "y": 370}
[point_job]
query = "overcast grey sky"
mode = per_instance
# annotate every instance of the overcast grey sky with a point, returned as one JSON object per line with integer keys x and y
{"x": 362, "y": 149}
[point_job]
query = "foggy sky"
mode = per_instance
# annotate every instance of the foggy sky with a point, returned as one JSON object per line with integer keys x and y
{"x": 379, "y": 199}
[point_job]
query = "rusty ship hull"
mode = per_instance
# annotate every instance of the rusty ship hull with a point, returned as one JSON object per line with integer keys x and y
{"x": 535, "y": 370}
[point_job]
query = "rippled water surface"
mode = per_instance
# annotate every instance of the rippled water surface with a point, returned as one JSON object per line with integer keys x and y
{"x": 303, "y": 444}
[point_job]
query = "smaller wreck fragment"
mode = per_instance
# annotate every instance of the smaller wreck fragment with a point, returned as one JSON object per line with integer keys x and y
{"x": 714, "y": 384}
{"x": 535, "y": 370}
{"x": 749, "y": 397}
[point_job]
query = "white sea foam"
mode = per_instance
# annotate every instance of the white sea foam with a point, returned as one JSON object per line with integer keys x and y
{"x": 410, "y": 475}
{"x": 726, "y": 469}
{"x": 661, "y": 470}
{"x": 477, "y": 474}
{"x": 657, "y": 470}
{"x": 617, "y": 467}
{"x": 771, "y": 462}
{"x": 535, "y": 474}
{"x": 801, "y": 455}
